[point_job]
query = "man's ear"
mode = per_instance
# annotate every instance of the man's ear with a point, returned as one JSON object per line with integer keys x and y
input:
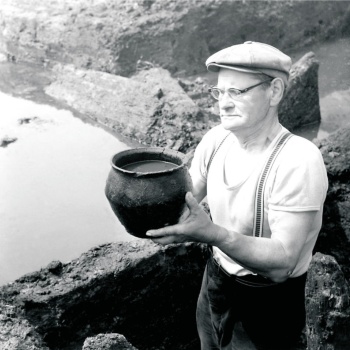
{"x": 277, "y": 90}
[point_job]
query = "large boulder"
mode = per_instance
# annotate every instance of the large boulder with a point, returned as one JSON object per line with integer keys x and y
{"x": 138, "y": 289}
{"x": 334, "y": 238}
{"x": 301, "y": 105}
{"x": 113, "y": 36}
{"x": 111, "y": 341}
{"x": 151, "y": 107}
{"x": 327, "y": 305}
{"x": 16, "y": 332}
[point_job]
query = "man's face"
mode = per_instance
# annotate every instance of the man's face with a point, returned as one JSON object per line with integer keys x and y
{"x": 247, "y": 112}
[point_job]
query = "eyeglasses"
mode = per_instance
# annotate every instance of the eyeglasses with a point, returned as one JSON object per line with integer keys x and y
{"x": 232, "y": 92}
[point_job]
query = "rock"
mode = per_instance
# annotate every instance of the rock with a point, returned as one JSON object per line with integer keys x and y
{"x": 16, "y": 333}
{"x": 122, "y": 102}
{"x": 301, "y": 105}
{"x": 327, "y": 305}
{"x": 174, "y": 101}
{"x": 139, "y": 289}
{"x": 334, "y": 238}
{"x": 132, "y": 106}
{"x": 55, "y": 267}
{"x": 335, "y": 110}
{"x": 336, "y": 154}
{"x": 112, "y": 341}
{"x": 6, "y": 140}
{"x": 22, "y": 121}
{"x": 178, "y": 36}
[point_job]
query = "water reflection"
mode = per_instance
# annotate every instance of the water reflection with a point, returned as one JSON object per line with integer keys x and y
{"x": 52, "y": 203}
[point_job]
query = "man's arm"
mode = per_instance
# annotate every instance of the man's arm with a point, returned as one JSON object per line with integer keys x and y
{"x": 274, "y": 257}
{"x": 199, "y": 190}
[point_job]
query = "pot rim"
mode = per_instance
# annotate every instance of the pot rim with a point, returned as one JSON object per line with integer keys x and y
{"x": 155, "y": 150}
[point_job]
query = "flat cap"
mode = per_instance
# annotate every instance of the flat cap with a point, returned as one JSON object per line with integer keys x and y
{"x": 252, "y": 57}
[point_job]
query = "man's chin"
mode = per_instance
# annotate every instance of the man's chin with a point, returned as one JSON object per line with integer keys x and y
{"x": 229, "y": 124}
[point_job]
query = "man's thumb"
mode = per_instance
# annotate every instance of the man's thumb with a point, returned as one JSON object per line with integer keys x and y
{"x": 191, "y": 201}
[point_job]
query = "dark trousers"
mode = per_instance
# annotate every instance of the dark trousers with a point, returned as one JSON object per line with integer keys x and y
{"x": 273, "y": 315}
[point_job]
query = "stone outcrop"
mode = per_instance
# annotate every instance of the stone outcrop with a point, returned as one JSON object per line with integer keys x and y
{"x": 334, "y": 238}
{"x": 16, "y": 332}
{"x": 154, "y": 108}
{"x": 112, "y": 341}
{"x": 138, "y": 289}
{"x": 112, "y": 36}
{"x": 328, "y": 305}
{"x": 301, "y": 105}
{"x": 151, "y": 107}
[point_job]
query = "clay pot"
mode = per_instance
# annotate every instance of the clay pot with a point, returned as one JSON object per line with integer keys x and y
{"x": 146, "y": 200}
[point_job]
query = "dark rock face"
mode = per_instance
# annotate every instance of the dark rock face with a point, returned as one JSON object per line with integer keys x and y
{"x": 327, "y": 292}
{"x": 137, "y": 289}
{"x": 16, "y": 332}
{"x": 328, "y": 305}
{"x": 334, "y": 238}
{"x": 301, "y": 105}
{"x": 177, "y": 35}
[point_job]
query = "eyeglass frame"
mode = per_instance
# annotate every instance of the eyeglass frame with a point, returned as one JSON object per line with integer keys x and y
{"x": 240, "y": 92}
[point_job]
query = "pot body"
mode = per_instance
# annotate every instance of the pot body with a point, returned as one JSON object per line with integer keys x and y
{"x": 147, "y": 200}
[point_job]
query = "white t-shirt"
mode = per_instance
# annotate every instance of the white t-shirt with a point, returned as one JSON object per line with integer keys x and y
{"x": 297, "y": 182}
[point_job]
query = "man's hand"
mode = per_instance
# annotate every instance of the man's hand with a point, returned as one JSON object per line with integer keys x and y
{"x": 194, "y": 226}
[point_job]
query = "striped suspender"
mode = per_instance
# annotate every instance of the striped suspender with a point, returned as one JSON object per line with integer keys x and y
{"x": 259, "y": 196}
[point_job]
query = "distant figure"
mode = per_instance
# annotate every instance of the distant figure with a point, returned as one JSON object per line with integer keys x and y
{"x": 265, "y": 189}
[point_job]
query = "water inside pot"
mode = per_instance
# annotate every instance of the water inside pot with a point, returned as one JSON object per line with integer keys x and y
{"x": 145, "y": 166}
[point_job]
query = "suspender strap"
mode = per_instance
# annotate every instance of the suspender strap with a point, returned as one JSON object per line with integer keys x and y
{"x": 259, "y": 196}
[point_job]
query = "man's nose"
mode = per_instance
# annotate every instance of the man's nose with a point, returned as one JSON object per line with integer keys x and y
{"x": 226, "y": 101}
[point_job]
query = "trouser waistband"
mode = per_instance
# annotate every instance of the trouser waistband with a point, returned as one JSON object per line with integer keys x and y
{"x": 248, "y": 280}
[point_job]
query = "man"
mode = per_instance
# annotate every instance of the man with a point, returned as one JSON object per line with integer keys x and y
{"x": 255, "y": 279}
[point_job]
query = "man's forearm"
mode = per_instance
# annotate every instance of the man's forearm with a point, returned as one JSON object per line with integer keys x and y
{"x": 264, "y": 256}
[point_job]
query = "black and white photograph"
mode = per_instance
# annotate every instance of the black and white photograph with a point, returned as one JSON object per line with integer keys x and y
{"x": 174, "y": 175}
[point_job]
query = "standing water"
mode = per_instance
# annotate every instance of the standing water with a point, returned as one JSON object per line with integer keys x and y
{"x": 52, "y": 177}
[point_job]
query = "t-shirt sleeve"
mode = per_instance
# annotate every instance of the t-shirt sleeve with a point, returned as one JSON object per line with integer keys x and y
{"x": 300, "y": 182}
{"x": 202, "y": 154}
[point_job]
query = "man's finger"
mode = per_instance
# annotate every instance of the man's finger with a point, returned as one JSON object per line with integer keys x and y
{"x": 162, "y": 232}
